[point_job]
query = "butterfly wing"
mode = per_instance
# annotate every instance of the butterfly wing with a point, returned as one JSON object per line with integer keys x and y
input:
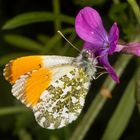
{"x": 56, "y": 94}
{"x": 52, "y": 86}
{"x": 15, "y": 68}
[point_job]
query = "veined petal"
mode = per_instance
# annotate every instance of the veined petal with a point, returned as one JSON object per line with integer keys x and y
{"x": 94, "y": 49}
{"x": 131, "y": 48}
{"x": 113, "y": 38}
{"x": 89, "y": 27}
{"x": 90, "y": 46}
{"x": 103, "y": 60}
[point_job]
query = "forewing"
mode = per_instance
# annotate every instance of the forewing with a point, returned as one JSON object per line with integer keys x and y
{"x": 20, "y": 66}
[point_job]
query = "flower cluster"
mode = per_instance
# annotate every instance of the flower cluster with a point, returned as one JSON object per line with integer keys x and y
{"x": 89, "y": 27}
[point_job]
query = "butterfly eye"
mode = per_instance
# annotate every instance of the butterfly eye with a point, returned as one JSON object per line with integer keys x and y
{"x": 85, "y": 55}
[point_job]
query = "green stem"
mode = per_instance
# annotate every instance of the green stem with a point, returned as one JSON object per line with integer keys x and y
{"x": 56, "y": 9}
{"x": 11, "y": 110}
{"x": 135, "y": 8}
{"x": 98, "y": 102}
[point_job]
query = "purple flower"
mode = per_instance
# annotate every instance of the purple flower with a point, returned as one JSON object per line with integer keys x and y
{"x": 130, "y": 48}
{"x": 89, "y": 27}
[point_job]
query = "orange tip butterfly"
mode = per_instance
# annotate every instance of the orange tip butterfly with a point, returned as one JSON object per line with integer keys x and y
{"x": 54, "y": 87}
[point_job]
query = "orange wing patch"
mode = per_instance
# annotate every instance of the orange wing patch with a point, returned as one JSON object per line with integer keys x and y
{"x": 36, "y": 84}
{"x": 29, "y": 87}
{"x": 14, "y": 69}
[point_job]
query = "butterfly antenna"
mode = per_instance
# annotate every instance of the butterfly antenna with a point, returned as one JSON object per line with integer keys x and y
{"x": 99, "y": 74}
{"x": 68, "y": 41}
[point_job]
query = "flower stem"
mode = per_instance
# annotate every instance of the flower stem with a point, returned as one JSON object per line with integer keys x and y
{"x": 56, "y": 9}
{"x": 98, "y": 102}
{"x": 135, "y": 8}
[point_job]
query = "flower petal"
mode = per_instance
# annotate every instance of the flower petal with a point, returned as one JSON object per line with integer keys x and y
{"x": 103, "y": 60}
{"x": 89, "y": 27}
{"x": 113, "y": 38}
{"x": 131, "y": 48}
{"x": 90, "y": 46}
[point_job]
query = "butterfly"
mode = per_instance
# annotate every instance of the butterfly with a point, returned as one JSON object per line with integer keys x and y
{"x": 54, "y": 87}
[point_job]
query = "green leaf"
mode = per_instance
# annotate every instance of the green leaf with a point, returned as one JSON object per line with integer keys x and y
{"x": 6, "y": 58}
{"x": 23, "y": 120}
{"x": 51, "y": 43}
{"x": 55, "y": 39}
{"x": 67, "y": 46}
{"x": 34, "y": 17}
{"x": 136, "y": 9}
{"x": 23, "y": 42}
{"x": 89, "y": 2}
{"x": 122, "y": 114}
{"x": 53, "y": 137}
{"x": 116, "y": 1}
{"x": 43, "y": 38}
{"x": 117, "y": 13}
{"x": 24, "y": 135}
{"x": 11, "y": 110}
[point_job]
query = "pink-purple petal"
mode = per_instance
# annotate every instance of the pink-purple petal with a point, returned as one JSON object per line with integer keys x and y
{"x": 102, "y": 56}
{"x": 113, "y": 38}
{"x": 89, "y": 27}
{"x": 103, "y": 60}
{"x": 90, "y": 46}
{"x": 130, "y": 48}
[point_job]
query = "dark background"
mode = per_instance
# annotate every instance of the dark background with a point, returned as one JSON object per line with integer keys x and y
{"x": 21, "y": 124}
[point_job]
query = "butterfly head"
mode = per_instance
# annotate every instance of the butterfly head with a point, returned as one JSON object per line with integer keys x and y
{"x": 87, "y": 61}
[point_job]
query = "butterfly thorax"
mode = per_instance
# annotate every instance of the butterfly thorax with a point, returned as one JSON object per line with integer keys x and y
{"x": 87, "y": 61}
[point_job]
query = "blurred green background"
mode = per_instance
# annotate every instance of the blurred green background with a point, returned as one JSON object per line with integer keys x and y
{"x": 30, "y": 27}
